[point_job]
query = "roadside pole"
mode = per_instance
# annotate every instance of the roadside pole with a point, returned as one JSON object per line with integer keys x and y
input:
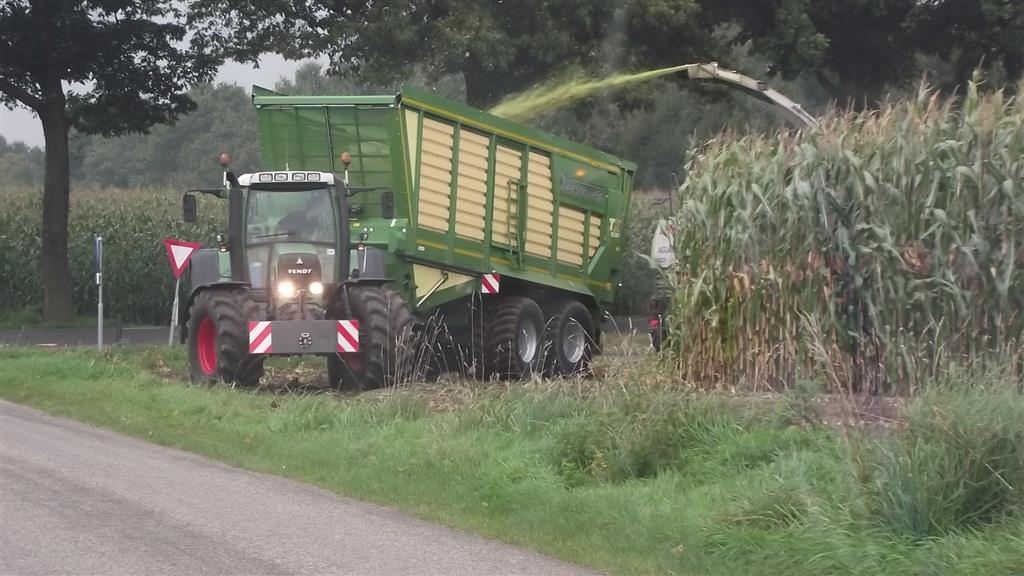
{"x": 99, "y": 298}
{"x": 174, "y": 311}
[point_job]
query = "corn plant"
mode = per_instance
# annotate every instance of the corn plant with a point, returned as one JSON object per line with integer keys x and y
{"x": 877, "y": 249}
{"x": 137, "y": 277}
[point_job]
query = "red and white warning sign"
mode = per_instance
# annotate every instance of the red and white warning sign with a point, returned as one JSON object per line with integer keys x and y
{"x": 348, "y": 336}
{"x": 179, "y": 252}
{"x": 489, "y": 283}
{"x": 260, "y": 337}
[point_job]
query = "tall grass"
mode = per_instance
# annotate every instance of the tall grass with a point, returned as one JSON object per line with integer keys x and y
{"x": 959, "y": 463}
{"x": 879, "y": 248}
{"x": 138, "y": 284}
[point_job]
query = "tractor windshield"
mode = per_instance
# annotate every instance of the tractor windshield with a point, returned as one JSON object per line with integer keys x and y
{"x": 290, "y": 216}
{"x": 285, "y": 220}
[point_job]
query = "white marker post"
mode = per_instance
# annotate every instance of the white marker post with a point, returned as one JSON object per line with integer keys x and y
{"x": 179, "y": 252}
{"x": 174, "y": 311}
{"x": 99, "y": 298}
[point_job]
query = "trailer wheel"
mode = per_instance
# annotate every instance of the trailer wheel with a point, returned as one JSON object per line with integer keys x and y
{"x": 514, "y": 337}
{"x": 218, "y": 338}
{"x": 569, "y": 339}
{"x": 385, "y": 341}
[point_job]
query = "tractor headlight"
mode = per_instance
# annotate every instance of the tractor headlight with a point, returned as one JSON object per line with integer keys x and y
{"x": 286, "y": 289}
{"x": 316, "y": 288}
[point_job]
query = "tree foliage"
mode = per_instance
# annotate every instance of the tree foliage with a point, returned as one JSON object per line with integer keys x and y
{"x": 102, "y": 67}
{"x": 855, "y": 48}
{"x": 969, "y": 33}
{"x": 125, "y": 62}
{"x": 498, "y": 47}
{"x": 20, "y": 165}
{"x": 180, "y": 155}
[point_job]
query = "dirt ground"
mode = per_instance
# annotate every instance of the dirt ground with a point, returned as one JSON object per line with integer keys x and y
{"x": 626, "y": 358}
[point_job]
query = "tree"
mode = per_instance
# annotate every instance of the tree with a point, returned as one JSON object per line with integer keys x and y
{"x": 972, "y": 33}
{"x": 20, "y": 164}
{"x": 103, "y": 67}
{"x": 497, "y": 47}
{"x": 181, "y": 154}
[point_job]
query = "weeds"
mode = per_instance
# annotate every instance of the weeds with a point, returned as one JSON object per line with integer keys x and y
{"x": 958, "y": 465}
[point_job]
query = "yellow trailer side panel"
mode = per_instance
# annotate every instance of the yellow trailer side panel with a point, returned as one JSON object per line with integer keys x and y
{"x": 435, "y": 175}
{"x": 539, "y": 206}
{"x": 570, "y": 235}
{"x": 471, "y": 192}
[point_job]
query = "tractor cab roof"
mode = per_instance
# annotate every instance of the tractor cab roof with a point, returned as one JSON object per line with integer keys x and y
{"x": 286, "y": 176}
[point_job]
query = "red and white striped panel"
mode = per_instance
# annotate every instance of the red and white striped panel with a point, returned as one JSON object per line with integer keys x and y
{"x": 259, "y": 337}
{"x": 489, "y": 283}
{"x": 348, "y": 336}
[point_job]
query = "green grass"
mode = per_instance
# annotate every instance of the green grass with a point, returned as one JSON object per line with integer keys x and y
{"x": 624, "y": 475}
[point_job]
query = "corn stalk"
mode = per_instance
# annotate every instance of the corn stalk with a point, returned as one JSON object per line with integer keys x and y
{"x": 878, "y": 249}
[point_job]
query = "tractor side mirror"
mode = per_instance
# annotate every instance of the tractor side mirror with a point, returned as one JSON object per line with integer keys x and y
{"x": 188, "y": 208}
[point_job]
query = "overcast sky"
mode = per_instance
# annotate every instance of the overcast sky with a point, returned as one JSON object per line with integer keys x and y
{"x": 21, "y": 124}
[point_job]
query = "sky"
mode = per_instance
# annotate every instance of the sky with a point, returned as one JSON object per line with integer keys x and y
{"x": 21, "y": 124}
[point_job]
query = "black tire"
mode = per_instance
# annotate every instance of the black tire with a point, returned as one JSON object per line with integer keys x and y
{"x": 481, "y": 316}
{"x": 509, "y": 327}
{"x": 657, "y": 337}
{"x": 336, "y": 369}
{"x": 385, "y": 341}
{"x": 218, "y": 338}
{"x": 569, "y": 342}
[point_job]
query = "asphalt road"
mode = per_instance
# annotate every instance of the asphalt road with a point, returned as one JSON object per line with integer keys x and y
{"x": 83, "y": 336}
{"x": 81, "y": 500}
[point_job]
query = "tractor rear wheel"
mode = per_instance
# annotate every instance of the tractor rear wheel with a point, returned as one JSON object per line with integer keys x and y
{"x": 218, "y": 338}
{"x": 385, "y": 341}
{"x": 513, "y": 337}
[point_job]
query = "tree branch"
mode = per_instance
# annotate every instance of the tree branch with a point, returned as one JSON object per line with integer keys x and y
{"x": 22, "y": 95}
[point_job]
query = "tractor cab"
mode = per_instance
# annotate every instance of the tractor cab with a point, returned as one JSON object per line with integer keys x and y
{"x": 286, "y": 240}
{"x": 292, "y": 237}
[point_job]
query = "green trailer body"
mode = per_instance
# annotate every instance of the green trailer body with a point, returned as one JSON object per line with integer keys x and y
{"x": 459, "y": 193}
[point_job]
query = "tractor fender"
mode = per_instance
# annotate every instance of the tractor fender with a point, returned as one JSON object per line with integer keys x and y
{"x": 186, "y": 305}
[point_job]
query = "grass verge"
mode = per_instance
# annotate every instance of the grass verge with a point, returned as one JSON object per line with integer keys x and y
{"x": 622, "y": 475}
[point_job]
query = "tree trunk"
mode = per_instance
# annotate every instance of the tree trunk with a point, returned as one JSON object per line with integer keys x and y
{"x": 55, "y": 274}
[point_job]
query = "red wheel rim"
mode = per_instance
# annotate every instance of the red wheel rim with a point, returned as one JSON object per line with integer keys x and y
{"x": 206, "y": 346}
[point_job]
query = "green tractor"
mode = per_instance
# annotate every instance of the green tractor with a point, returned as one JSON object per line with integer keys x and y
{"x": 276, "y": 285}
{"x": 406, "y": 235}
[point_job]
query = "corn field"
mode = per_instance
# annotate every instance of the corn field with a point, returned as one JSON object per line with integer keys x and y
{"x": 138, "y": 283}
{"x": 876, "y": 251}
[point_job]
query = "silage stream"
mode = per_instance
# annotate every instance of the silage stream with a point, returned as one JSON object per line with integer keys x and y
{"x": 547, "y": 97}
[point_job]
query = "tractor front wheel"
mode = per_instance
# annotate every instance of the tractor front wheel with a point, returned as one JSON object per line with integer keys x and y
{"x": 218, "y": 338}
{"x": 386, "y": 341}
